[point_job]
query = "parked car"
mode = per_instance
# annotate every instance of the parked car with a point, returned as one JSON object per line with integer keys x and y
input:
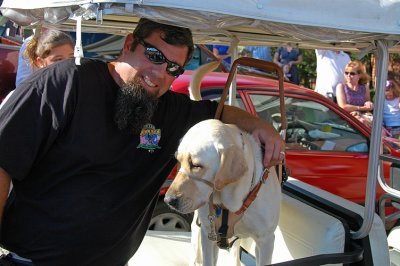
{"x": 326, "y": 146}
{"x": 9, "y": 50}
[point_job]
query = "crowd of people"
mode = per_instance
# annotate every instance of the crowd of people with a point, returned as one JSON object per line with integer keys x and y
{"x": 340, "y": 79}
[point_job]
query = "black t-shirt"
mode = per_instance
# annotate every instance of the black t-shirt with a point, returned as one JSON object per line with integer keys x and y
{"x": 84, "y": 191}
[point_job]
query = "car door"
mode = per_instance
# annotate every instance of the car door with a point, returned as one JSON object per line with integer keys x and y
{"x": 324, "y": 147}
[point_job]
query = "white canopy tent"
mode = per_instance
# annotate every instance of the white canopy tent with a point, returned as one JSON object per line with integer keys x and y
{"x": 331, "y": 24}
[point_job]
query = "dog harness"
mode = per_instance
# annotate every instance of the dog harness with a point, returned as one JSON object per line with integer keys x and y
{"x": 221, "y": 218}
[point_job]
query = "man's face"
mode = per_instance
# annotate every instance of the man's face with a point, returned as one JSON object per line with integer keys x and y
{"x": 143, "y": 82}
{"x": 154, "y": 77}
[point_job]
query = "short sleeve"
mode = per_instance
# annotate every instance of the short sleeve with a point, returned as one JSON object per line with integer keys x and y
{"x": 32, "y": 118}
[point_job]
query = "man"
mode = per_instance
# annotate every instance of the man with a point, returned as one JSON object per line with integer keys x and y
{"x": 330, "y": 71}
{"x": 88, "y": 148}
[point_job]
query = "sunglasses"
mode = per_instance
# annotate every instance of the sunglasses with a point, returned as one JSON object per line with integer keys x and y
{"x": 350, "y": 73}
{"x": 158, "y": 58}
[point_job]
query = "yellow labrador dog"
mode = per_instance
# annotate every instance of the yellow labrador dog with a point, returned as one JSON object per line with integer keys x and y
{"x": 219, "y": 166}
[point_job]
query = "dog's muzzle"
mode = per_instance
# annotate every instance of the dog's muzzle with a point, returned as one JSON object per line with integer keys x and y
{"x": 172, "y": 201}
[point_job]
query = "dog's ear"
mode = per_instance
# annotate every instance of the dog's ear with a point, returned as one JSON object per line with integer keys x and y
{"x": 233, "y": 166}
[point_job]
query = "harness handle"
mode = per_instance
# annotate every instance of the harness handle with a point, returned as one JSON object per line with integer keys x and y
{"x": 260, "y": 64}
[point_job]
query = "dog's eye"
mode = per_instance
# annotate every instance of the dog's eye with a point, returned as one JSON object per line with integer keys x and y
{"x": 194, "y": 166}
{"x": 196, "y": 169}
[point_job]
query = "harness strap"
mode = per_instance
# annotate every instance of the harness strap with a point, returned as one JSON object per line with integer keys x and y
{"x": 223, "y": 231}
{"x": 253, "y": 193}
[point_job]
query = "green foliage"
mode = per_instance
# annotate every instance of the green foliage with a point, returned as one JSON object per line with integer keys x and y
{"x": 308, "y": 69}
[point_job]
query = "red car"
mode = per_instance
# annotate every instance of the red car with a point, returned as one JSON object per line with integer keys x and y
{"x": 326, "y": 146}
{"x": 9, "y": 50}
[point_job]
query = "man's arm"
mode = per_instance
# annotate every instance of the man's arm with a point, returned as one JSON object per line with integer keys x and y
{"x": 261, "y": 130}
{"x": 5, "y": 181}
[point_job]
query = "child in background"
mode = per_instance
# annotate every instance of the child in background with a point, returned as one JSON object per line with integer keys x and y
{"x": 48, "y": 47}
{"x": 286, "y": 72}
{"x": 391, "y": 111}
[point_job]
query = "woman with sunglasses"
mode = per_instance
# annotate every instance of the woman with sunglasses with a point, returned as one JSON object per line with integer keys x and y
{"x": 354, "y": 95}
{"x": 391, "y": 111}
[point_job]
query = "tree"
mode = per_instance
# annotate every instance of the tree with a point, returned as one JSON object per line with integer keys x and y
{"x": 308, "y": 69}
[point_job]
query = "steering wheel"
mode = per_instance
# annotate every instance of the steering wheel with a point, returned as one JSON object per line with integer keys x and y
{"x": 309, "y": 145}
{"x": 295, "y": 130}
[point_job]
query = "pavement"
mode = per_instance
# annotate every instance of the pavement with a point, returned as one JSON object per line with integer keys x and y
{"x": 171, "y": 249}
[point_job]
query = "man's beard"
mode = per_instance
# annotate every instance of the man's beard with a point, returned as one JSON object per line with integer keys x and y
{"x": 134, "y": 107}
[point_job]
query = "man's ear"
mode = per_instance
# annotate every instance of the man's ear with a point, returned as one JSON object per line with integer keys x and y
{"x": 128, "y": 42}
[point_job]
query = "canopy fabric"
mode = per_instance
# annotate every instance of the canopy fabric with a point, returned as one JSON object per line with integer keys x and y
{"x": 309, "y": 23}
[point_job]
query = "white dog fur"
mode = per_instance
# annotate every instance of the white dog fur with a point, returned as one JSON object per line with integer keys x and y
{"x": 231, "y": 160}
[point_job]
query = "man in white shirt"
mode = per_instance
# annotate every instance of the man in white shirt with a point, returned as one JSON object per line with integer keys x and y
{"x": 330, "y": 71}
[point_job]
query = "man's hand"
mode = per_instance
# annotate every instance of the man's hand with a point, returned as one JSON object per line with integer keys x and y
{"x": 274, "y": 146}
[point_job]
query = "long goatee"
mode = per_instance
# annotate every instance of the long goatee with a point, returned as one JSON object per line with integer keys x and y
{"x": 134, "y": 107}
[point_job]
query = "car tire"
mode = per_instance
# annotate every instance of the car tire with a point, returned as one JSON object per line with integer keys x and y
{"x": 166, "y": 219}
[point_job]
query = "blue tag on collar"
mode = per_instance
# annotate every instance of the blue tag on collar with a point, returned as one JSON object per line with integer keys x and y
{"x": 218, "y": 211}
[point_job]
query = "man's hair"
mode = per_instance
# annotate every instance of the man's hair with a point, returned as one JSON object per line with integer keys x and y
{"x": 171, "y": 34}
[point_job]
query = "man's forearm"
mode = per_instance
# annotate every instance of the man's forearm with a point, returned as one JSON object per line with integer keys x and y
{"x": 241, "y": 118}
{"x": 5, "y": 181}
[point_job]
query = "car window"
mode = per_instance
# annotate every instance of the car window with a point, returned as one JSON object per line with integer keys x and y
{"x": 214, "y": 94}
{"x": 310, "y": 125}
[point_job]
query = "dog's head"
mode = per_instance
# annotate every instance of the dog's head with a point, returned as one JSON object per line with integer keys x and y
{"x": 210, "y": 157}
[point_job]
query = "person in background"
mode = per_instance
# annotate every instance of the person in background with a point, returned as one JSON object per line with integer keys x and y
{"x": 260, "y": 52}
{"x": 245, "y": 53}
{"x": 24, "y": 69}
{"x": 353, "y": 94}
{"x": 330, "y": 71}
{"x": 50, "y": 47}
{"x": 286, "y": 72}
{"x": 221, "y": 52}
{"x": 41, "y": 51}
{"x": 89, "y": 146}
{"x": 391, "y": 111}
{"x": 292, "y": 57}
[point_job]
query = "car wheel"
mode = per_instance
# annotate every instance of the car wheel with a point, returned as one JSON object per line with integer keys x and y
{"x": 166, "y": 219}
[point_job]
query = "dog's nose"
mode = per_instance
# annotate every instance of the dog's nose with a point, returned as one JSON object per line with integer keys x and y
{"x": 172, "y": 201}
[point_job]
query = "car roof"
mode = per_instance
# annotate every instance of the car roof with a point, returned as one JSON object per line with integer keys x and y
{"x": 218, "y": 79}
